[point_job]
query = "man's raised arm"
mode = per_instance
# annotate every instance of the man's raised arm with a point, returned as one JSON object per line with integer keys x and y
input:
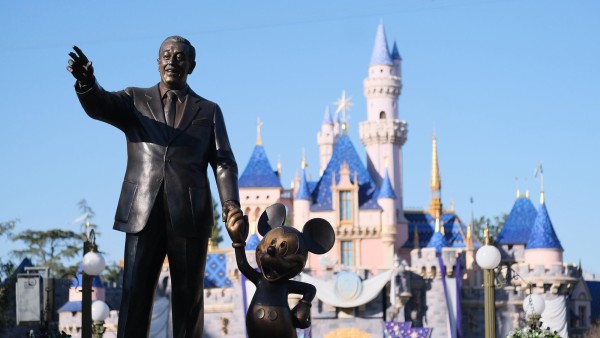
{"x": 81, "y": 68}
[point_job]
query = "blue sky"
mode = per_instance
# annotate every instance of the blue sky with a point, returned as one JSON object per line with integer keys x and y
{"x": 505, "y": 84}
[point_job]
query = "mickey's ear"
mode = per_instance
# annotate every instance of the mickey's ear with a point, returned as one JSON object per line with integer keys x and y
{"x": 319, "y": 236}
{"x": 272, "y": 217}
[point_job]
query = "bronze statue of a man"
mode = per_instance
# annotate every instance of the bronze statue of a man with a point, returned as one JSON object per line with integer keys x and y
{"x": 165, "y": 206}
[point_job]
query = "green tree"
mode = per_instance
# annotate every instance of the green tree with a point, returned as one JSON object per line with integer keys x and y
{"x": 7, "y": 227}
{"x": 50, "y": 248}
{"x": 495, "y": 226}
{"x": 216, "y": 238}
{"x": 111, "y": 273}
{"x": 7, "y": 283}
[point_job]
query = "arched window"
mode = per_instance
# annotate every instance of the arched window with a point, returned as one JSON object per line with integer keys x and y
{"x": 382, "y": 115}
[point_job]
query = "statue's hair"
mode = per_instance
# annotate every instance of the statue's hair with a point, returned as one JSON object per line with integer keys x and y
{"x": 185, "y": 41}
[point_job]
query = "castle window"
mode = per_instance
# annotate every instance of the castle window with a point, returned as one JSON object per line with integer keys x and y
{"x": 382, "y": 115}
{"x": 347, "y": 253}
{"x": 581, "y": 317}
{"x": 345, "y": 206}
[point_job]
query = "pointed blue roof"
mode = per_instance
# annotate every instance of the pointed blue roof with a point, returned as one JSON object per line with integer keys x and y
{"x": 78, "y": 281}
{"x": 386, "y": 190}
{"x": 71, "y": 306}
{"x": 395, "y": 54}
{"x": 424, "y": 223}
{"x": 437, "y": 241}
{"x": 327, "y": 116}
{"x": 542, "y": 234}
{"x": 344, "y": 151}
{"x": 258, "y": 172}
{"x": 303, "y": 192}
{"x": 381, "y": 54}
{"x": 519, "y": 222}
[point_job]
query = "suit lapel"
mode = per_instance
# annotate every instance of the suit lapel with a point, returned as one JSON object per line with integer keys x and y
{"x": 155, "y": 105}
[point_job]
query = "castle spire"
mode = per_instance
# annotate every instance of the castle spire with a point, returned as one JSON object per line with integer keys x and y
{"x": 258, "y": 136}
{"x": 435, "y": 206}
{"x": 539, "y": 171}
{"x": 327, "y": 116}
{"x": 303, "y": 163}
{"x": 381, "y": 53}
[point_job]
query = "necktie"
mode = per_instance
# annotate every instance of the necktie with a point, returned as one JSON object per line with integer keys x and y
{"x": 171, "y": 108}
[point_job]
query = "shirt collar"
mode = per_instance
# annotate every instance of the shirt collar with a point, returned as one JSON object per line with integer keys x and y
{"x": 181, "y": 93}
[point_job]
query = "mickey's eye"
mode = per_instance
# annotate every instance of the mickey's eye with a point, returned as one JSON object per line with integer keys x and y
{"x": 283, "y": 248}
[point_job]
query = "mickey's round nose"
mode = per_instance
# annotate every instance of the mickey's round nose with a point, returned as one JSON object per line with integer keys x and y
{"x": 271, "y": 250}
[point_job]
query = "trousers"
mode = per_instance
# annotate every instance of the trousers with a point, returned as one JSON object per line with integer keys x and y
{"x": 144, "y": 257}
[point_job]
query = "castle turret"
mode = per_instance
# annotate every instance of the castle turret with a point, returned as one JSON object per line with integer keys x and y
{"x": 302, "y": 200}
{"x": 543, "y": 246}
{"x": 326, "y": 140}
{"x": 259, "y": 184}
{"x": 383, "y": 134}
{"x": 386, "y": 199}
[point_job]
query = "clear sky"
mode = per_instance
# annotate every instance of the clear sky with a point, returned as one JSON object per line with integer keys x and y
{"x": 505, "y": 84}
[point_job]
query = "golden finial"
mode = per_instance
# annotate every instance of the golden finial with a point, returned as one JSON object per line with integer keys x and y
{"x": 279, "y": 166}
{"x": 435, "y": 206}
{"x": 258, "y": 129}
{"x": 469, "y": 237}
{"x": 486, "y": 235}
{"x": 436, "y": 183}
{"x": 527, "y": 193}
{"x": 539, "y": 171}
{"x": 303, "y": 163}
{"x": 295, "y": 180}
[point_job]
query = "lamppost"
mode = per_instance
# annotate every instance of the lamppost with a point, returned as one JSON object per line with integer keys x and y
{"x": 93, "y": 264}
{"x": 488, "y": 258}
{"x": 99, "y": 314}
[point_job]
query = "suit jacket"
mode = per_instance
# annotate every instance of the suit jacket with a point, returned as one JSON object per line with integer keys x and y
{"x": 176, "y": 157}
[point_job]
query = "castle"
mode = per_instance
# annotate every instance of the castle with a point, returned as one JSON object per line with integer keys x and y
{"x": 403, "y": 273}
{"x": 392, "y": 264}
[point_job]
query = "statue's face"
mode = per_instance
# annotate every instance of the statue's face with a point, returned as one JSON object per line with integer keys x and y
{"x": 174, "y": 64}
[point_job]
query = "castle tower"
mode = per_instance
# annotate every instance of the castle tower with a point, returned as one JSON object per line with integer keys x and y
{"x": 386, "y": 200}
{"x": 302, "y": 199}
{"x": 543, "y": 246}
{"x": 326, "y": 139}
{"x": 435, "y": 206}
{"x": 259, "y": 184}
{"x": 383, "y": 134}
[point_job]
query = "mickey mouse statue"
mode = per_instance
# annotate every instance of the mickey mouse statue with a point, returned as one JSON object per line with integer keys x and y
{"x": 280, "y": 255}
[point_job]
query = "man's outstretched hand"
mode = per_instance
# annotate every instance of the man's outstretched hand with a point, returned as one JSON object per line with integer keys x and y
{"x": 81, "y": 67}
{"x": 237, "y": 227}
